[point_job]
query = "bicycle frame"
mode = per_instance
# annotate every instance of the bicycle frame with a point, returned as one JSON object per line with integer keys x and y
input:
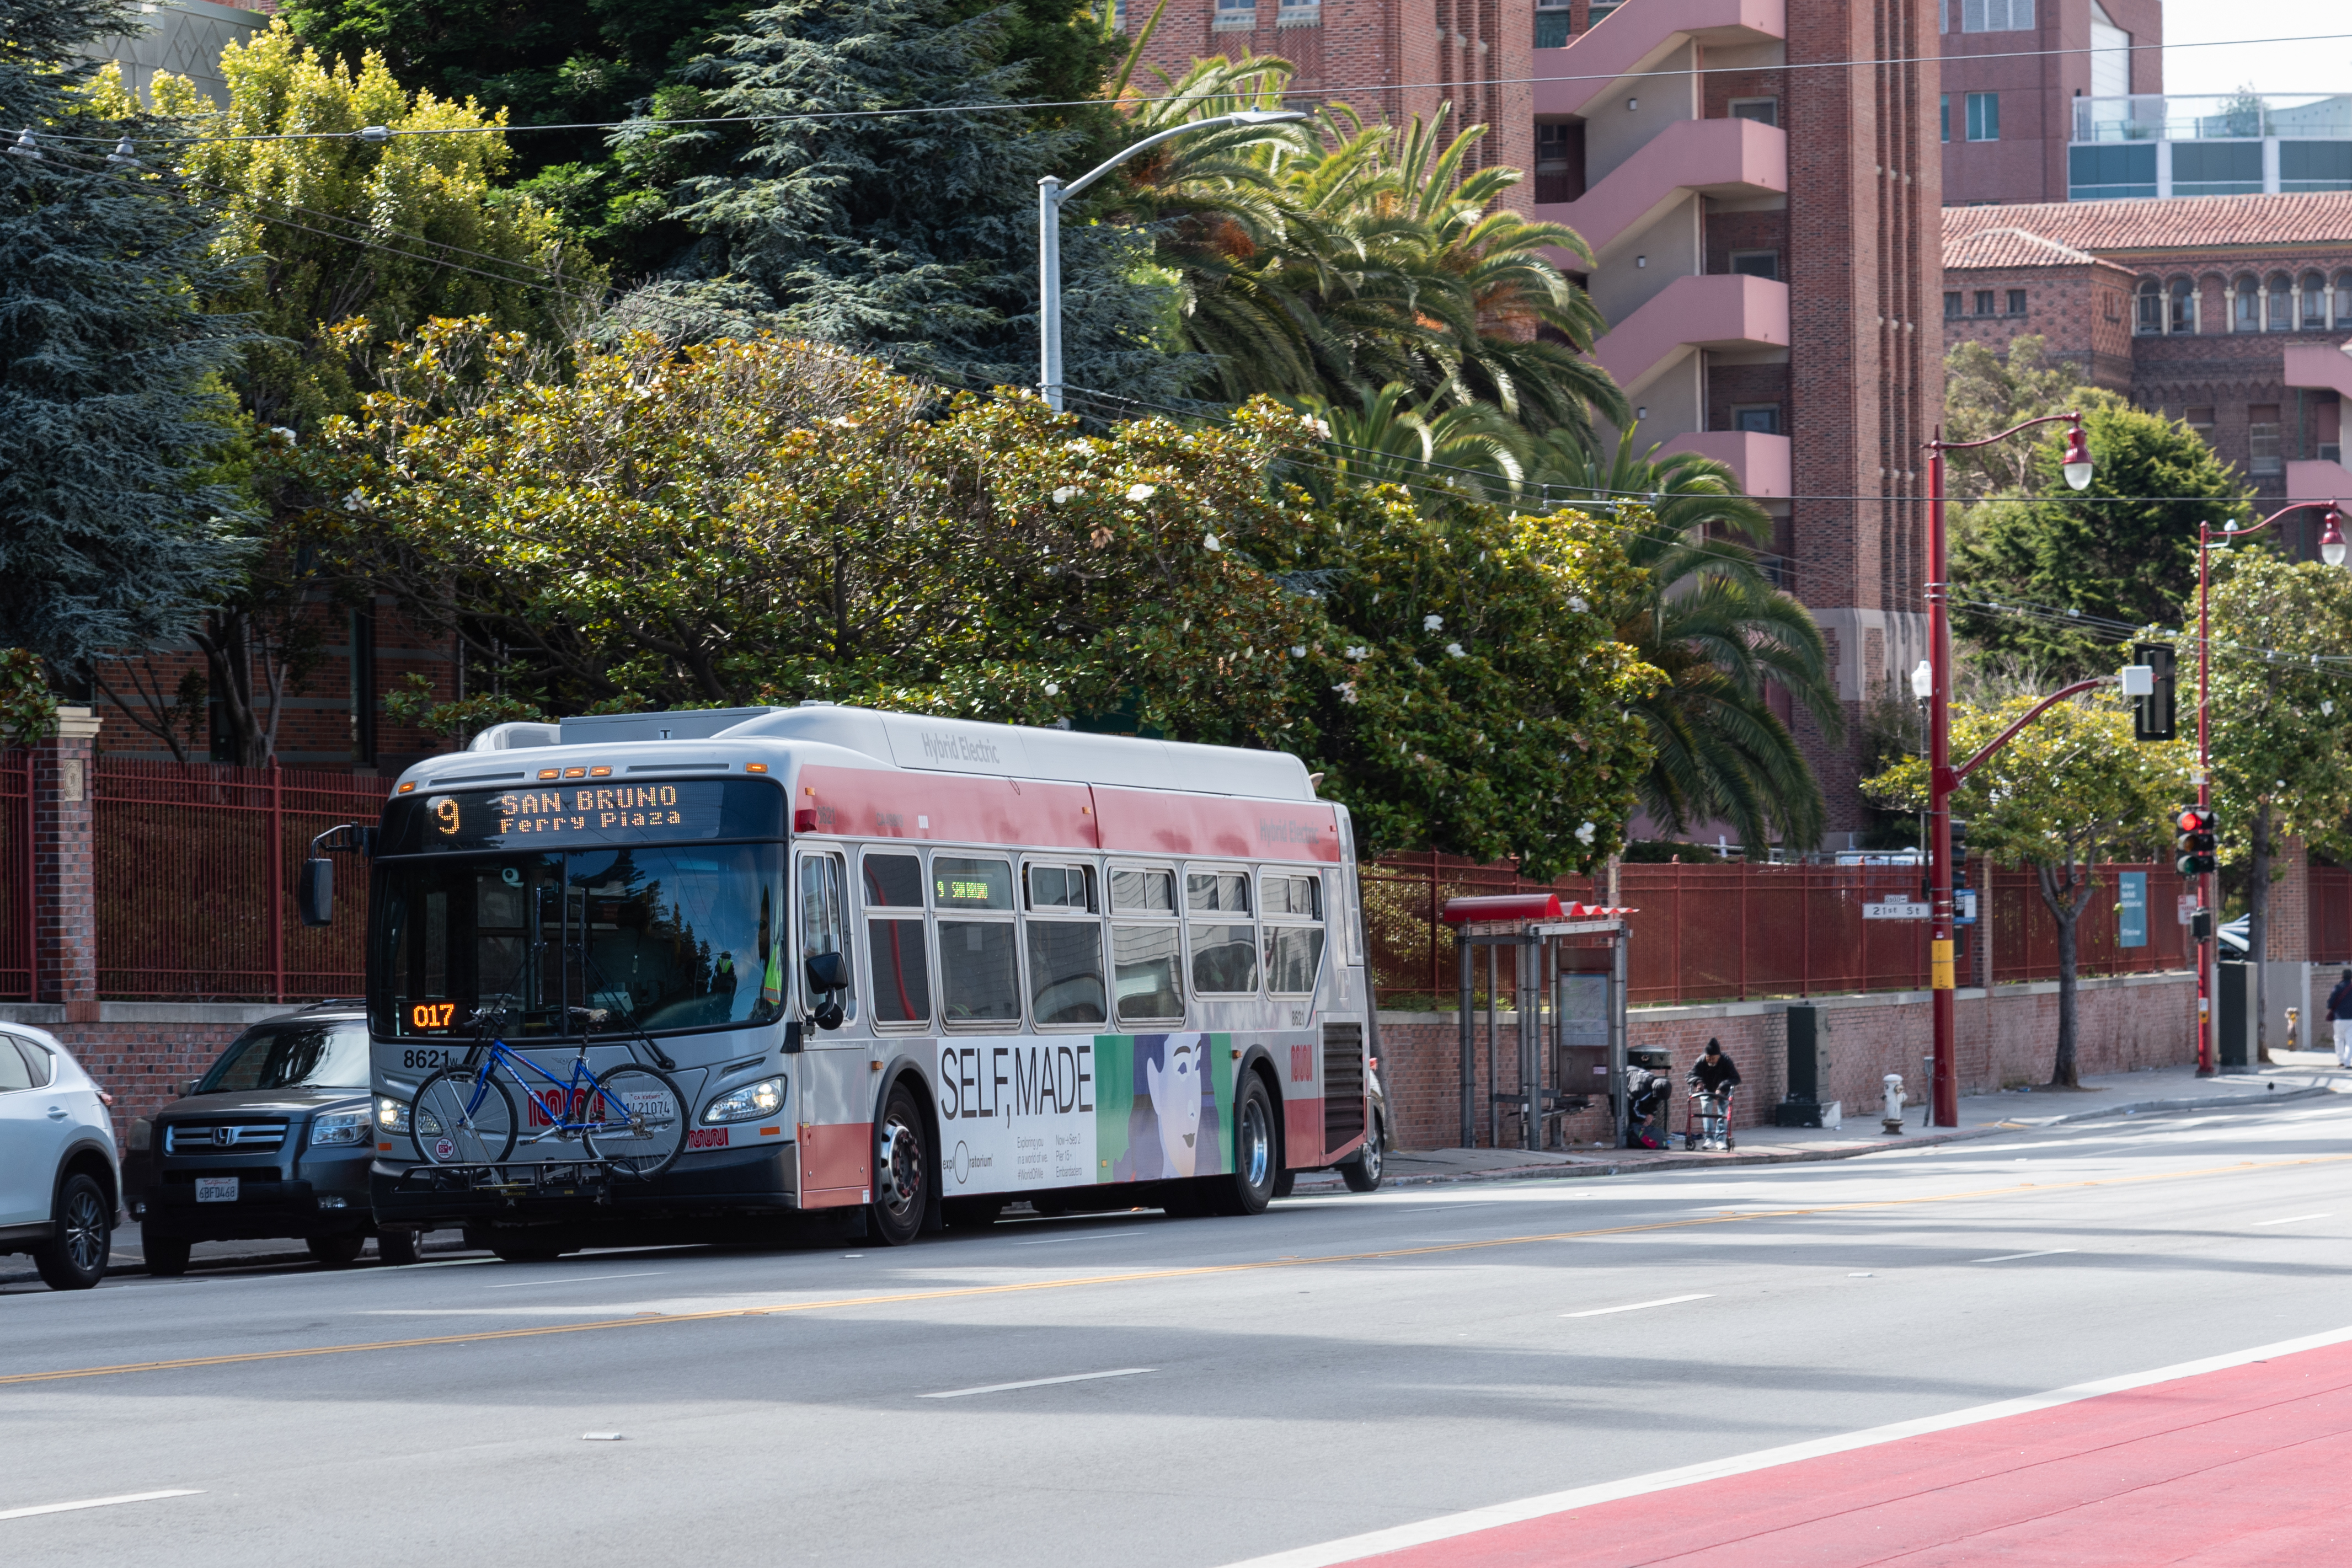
{"x": 575, "y": 1090}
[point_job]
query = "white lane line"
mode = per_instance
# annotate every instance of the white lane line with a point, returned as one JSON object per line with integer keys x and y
{"x": 1037, "y": 1383}
{"x": 98, "y": 1502}
{"x": 1449, "y": 1208}
{"x": 1449, "y": 1527}
{"x": 2294, "y": 1219}
{"x": 575, "y": 1280}
{"x": 1089, "y": 1236}
{"x": 1637, "y": 1306}
{"x": 2014, "y": 1257}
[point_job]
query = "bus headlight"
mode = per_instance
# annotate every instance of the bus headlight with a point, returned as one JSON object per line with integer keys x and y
{"x": 391, "y": 1116}
{"x": 339, "y": 1127}
{"x": 747, "y": 1104}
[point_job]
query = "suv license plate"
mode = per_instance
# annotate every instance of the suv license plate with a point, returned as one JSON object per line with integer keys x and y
{"x": 216, "y": 1189}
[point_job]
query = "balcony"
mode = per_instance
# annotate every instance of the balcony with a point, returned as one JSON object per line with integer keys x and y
{"x": 2314, "y": 480}
{"x": 1719, "y": 310}
{"x": 1634, "y": 38}
{"x": 1709, "y": 157}
{"x": 2318, "y": 367}
{"x": 1762, "y": 462}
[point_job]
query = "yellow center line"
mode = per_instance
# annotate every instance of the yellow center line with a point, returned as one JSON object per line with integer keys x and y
{"x": 780, "y": 1309}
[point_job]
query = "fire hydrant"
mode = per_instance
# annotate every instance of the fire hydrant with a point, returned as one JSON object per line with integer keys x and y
{"x": 1892, "y": 1119}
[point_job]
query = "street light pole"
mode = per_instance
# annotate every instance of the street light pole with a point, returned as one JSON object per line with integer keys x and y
{"x": 2332, "y": 552}
{"x": 1941, "y": 780}
{"x": 1051, "y": 193}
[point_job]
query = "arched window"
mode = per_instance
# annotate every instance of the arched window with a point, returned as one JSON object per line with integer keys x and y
{"x": 2344, "y": 300}
{"x": 2246, "y": 304}
{"x": 2184, "y": 305}
{"x": 2147, "y": 312}
{"x": 2280, "y": 317}
{"x": 2315, "y": 302}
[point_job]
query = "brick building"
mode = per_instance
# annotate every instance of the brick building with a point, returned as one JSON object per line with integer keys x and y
{"x": 2227, "y": 311}
{"x": 2014, "y": 71}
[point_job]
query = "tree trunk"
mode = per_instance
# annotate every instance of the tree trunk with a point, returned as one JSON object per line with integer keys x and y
{"x": 2065, "y": 901}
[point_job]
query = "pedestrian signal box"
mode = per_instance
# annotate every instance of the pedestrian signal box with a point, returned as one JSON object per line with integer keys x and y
{"x": 2152, "y": 715}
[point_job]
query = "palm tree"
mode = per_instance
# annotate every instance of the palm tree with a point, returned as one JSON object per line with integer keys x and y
{"x": 1710, "y": 617}
{"x": 1461, "y": 448}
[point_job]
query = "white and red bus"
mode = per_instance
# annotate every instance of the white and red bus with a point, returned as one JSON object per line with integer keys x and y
{"x": 918, "y": 967}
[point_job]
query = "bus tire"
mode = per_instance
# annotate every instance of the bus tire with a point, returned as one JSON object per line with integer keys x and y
{"x": 1248, "y": 1187}
{"x": 1362, "y": 1174}
{"x": 971, "y": 1213}
{"x": 902, "y": 1169}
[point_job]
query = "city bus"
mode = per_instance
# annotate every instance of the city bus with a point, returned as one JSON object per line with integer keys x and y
{"x": 911, "y": 969}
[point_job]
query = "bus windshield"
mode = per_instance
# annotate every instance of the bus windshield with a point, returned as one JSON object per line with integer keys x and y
{"x": 659, "y": 937}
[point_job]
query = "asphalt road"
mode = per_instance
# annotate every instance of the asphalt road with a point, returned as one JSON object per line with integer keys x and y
{"x": 1340, "y": 1365}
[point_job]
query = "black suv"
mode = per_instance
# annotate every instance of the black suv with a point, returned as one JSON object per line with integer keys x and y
{"x": 274, "y": 1141}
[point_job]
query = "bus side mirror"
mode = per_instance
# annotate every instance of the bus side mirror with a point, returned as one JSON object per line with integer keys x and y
{"x": 828, "y": 979}
{"x": 315, "y": 895}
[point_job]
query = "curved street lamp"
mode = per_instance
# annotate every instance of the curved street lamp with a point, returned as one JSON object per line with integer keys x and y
{"x": 1942, "y": 780}
{"x": 1051, "y": 193}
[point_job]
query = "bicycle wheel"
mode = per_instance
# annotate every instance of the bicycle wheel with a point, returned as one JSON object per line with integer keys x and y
{"x": 634, "y": 1121}
{"x": 462, "y": 1119}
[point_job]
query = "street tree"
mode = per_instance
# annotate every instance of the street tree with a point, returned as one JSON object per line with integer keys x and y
{"x": 1986, "y": 393}
{"x": 2049, "y": 576}
{"x": 2070, "y": 791}
{"x": 2282, "y": 721}
{"x": 112, "y": 531}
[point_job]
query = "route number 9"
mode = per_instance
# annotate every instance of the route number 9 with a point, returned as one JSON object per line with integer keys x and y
{"x": 432, "y": 1014}
{"x": 446, "y": 809}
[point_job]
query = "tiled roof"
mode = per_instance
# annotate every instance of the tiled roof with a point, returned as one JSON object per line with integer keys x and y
{"x": 2178, "y": 222}
{"x": 2011, "y": 246}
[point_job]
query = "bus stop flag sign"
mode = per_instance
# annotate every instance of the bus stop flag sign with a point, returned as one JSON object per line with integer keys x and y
{"x": 2131, "y": 909}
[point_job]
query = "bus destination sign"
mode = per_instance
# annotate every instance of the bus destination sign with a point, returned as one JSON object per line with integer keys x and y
{"x": 586, "y": 816}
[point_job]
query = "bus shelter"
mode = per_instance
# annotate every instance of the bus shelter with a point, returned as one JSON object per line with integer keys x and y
{"x": 1569, "y": 1043}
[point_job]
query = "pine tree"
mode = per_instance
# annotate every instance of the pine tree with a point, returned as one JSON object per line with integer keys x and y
{"x": 915, "y": 236}
{"x": 110, "y": 536}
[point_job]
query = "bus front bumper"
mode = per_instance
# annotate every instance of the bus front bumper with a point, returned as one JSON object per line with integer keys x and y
{"x": 407, "y": 1196}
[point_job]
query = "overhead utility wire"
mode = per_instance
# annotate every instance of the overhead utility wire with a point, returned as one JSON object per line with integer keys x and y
{"x": 382, "y": 133}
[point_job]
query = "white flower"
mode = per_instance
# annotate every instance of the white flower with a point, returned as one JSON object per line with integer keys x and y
{"x": 844, "y": 421}
{"x": 1584, "y": 834}
{"x": 1062, "y": 497}
{"x": 1576, "y": 603}
{"x": 1298, "y": 650}
{"x": 1359, "y": 652}
{"x": 1346, "y": 690}
{"x": 1208, "y": 541}
{"x": 355, "y": 502}
{"x": 1053, "y": 688}
{"x": 1431, "y": 622}
{"x": 1141, "y": 492}
{"x": 1454, "y": 649}
{"x": 1080, "y": 445}
{"x": 282, "y": 430}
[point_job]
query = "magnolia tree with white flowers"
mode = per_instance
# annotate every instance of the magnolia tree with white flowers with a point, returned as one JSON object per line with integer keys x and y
{"x": 765, "y": 521}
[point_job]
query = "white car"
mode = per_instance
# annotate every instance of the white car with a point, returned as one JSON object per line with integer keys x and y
{"x": 60, "y": 1176}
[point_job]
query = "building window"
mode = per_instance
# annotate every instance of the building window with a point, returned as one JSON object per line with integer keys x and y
{"x": 2184, "y": 306}
{"x": 1951, "y": 304}
{"x": 1236, "y": 14}
{"x": 1756, "y": 263}
{"x": 2316, "y": 166}
{"x": 1552, "y": 24}
{"x": 1762, "y": 110}
{"x": 1299, "y": 13}
{"x": 1559, "y": 162}
{"x": 2344, "y": 300}
{"x": 2217, "y": 167}
{"x": 2110, "y": 55}
{"x": 2263, "y": 441}
{"x": 2199, "y": 418}
{"x": 2017, "y": 301}
{"x": 1984, "y": 117}
{"x": 1984, "y": 301}
{"x": 1761, "y": 419}
{"x": 1996, "y": 15}
{"x": 2315, "y": 302}
{"x": 1944, "y": 110}
{"x": 2148, "y": 307}
{"x": 2280, "y": 317}
{"x": 2245, "y": 306}
{"x": 1600, "y": 11}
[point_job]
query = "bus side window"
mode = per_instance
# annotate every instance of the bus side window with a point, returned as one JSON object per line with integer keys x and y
{"x": 1146, "y": 962}
{"x": 1290, "y": 901}
{"x": 824, "y": 920}
{"x": 899, "y": 957}
{"x": 1224, "y": 953}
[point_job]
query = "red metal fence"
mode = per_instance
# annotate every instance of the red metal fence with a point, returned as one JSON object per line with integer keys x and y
{"x": 196, "y": 870}
{"x": 2330, "y": 894}
{"x": 16, "y": 876}
{"x": 1734, "y": 933}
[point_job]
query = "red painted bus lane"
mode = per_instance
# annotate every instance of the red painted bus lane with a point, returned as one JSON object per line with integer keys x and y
{"x": 2238, "y": 1465}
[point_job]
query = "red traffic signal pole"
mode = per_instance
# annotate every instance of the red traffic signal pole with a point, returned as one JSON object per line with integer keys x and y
{"x": 2331, "y": 550}
{"x": 1941, "y": 780}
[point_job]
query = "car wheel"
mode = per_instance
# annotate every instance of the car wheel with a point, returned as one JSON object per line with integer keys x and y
{"x": 396, "y": 1248}
{"x": 1362, "y": 1174}
{"x": 167, "y": 1256}
{"x": 902, "y": 1170}
{"x": 1249, "y": 1186}
{"x": 75, "y": 1258}
{"x": 337, "y": 1251}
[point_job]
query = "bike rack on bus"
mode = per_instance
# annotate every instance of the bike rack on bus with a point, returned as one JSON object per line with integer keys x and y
{"x": 516, "y": 1180}
{"x": 1571, "y": 1010}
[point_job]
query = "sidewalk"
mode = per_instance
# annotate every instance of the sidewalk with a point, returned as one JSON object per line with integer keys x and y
{"x": 2294, "y": 1075}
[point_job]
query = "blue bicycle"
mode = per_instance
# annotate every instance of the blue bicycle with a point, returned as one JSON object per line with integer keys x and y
{"x": 631, "y": 1119}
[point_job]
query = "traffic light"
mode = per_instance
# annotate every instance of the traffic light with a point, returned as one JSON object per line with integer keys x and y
{"x": 2152, "y": 715}
{"x": 2194, "y": 840}
{"x": 1959, "y": 853}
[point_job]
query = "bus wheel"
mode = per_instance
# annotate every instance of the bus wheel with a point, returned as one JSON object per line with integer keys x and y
{"x": 971, "y": 1213}
{"x": 1256, "y": 1156}
{"x": 902, "y": 1170}
{"x": 1362, "y": 1174}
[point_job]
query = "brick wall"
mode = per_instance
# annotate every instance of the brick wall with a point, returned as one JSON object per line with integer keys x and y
{"x": 2004, "y": 1038}
{"x": 2082, "y": 312}
{"x": 141, "y": 1052}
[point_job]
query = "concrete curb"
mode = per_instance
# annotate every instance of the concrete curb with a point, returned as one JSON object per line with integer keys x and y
{"x": 238, "y": 1261}
{"x": 1601, "y": 1167}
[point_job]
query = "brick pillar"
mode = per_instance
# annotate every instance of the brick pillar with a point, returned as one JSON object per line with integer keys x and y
{"x": 64, "y": 873}
{"x": 2286, "y": 938}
